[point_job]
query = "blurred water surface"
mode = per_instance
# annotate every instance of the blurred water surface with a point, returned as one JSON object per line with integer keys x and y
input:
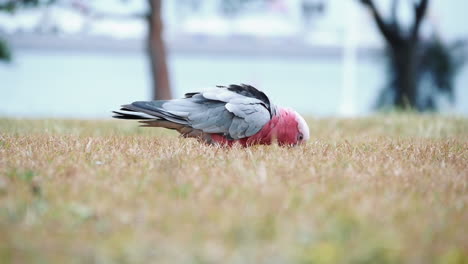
{"x": 91, "y": 84}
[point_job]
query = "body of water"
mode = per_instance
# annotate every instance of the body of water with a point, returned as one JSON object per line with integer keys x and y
{"x": 91, "y": 84}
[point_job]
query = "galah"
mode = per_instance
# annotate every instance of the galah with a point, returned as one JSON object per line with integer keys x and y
{"x": 225, "y": 115}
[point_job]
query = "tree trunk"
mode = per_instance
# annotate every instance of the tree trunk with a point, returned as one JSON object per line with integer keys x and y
{"x": 157, "y": 53}
{"x": 405, "y": 60}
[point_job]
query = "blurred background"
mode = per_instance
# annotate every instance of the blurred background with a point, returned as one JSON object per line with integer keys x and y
{"x": 84, "y": 58}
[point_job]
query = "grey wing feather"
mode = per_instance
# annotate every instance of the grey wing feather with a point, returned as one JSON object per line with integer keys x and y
{"x": 257, "y": 116}
{"x": 238, "y": 116}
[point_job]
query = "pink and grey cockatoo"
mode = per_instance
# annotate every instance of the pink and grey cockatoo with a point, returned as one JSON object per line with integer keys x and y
{"x": 224, "y": 115}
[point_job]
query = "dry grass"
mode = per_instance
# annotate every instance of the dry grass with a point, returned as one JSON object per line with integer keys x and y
{"x": 384, "y": 189}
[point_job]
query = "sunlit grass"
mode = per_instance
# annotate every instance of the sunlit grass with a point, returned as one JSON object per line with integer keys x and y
{"x": 384, "y": 189}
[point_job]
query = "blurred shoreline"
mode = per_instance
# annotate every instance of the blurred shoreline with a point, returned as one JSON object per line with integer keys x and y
{"x": 196, "y": 45}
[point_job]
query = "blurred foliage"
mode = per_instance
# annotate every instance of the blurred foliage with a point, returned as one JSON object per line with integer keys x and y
{"x": 437, "y": 65}
{"x": 11, "y": 6}
{"x": 441, "y": 62}
{"x": 5, "y": 52}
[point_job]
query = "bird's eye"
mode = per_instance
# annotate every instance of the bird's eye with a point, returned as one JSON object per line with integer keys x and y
{"x": 300, "y": 137}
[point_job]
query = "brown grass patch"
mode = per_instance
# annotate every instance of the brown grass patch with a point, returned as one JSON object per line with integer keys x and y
{"x": 383, "y": 189}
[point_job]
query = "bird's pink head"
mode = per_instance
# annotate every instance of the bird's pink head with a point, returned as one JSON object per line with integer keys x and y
{"x": 303, "y": 133}
{"x": 289, "y": 128}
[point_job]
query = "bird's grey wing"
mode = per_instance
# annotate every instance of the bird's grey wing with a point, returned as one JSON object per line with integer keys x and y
{"x": 225, "y": 112}
{"x": 249, "y": 119}
{"x": 210, "y": 116}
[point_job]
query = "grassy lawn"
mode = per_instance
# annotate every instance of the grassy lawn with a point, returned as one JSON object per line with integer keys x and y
{"x": 384, "y": 189}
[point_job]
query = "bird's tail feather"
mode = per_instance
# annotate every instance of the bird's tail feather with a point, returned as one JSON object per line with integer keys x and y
{"x": 145, "y": 120}
{"x": 123, "y": 114}
{"x": 146, "y": 110}
{"x": 154, "y": 110}
{"x": 152, "y": 114}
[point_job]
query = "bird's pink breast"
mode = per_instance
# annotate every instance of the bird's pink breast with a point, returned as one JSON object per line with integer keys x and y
{"x": 282, "y": 128}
